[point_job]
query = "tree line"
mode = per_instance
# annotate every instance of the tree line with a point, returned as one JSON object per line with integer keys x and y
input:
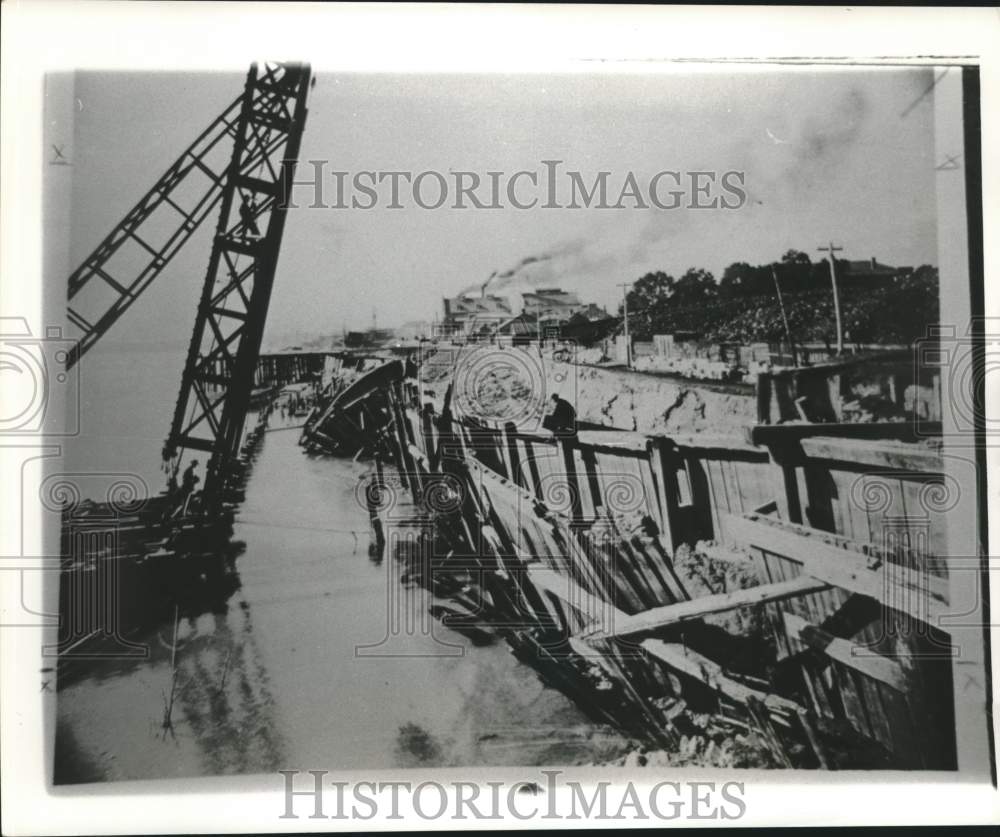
{"x": 743, "y": 303}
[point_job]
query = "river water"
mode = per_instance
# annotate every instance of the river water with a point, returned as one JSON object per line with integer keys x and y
{"x": 274, "y": 677}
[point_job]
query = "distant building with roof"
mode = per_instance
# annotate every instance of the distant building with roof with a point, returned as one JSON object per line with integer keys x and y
{"x": 474, "y": 314}
{"x": 867, "y": 270}
{"x": 372, "y": 338}
{"x": 551, "y": 303}
{"x": 520, "y": 329}
{"x": 478, "y": 316}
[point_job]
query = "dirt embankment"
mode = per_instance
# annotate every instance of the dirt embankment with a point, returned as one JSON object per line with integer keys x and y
{"x": 633, "y": 401}
{"x": 509, "y": 383}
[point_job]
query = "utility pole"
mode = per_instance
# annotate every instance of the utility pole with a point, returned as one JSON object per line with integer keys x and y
{"x": 628, "y": 343}
{"x": 784, "y": 317}
{"x": 836, "y": 293}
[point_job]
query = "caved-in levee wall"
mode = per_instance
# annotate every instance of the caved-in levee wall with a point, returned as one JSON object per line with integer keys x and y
{"x": 633, "y": 572}
{"x": 606, "y": 397}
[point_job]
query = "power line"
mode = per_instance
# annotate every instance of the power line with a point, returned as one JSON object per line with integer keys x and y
{"x": 836, "y": 293}
{"x": 628, "y": 345}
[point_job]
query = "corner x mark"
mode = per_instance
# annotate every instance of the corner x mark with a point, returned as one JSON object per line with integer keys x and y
{"x": 60, "y": 158}
{"x": 950, "y": 164}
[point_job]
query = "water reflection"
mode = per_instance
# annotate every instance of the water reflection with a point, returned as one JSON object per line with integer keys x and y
{"x": 266, "y": 671}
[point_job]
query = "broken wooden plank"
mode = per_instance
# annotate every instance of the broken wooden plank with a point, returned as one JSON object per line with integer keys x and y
{"x": 885, "y": 357}
{"x": 417, "y": 454}
{"x": 817, "y": 746}
{"x": 727, "y": 554}
{"x": 688, "y": 662}
{"x": 589, "y": 606}
{"x": 778, "y": 434}
{"x": 661, "y": 617}
{"x": 883, "y": 453}
{"x": 482, "y": 473}
{"x": 919, "y": 595}
{"x": 614, "y": 441}
{"x": 762, "y": 719}
{"x": 703, "y": 443}
{"x": 842, "y": 650}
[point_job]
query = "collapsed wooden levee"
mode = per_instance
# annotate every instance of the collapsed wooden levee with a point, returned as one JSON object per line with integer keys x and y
{"x": 779, "y": 583}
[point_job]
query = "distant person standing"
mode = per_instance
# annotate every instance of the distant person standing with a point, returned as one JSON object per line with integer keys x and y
{"x": 189, "y": 480}
{"x": 248, "y": 215}
{"x": 562, "y": 419}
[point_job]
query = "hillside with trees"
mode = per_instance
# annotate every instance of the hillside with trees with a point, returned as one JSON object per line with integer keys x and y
{"x": 742, "y": 306}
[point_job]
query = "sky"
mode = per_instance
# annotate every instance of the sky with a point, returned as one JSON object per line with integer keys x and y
{"x": 837, "y": 153}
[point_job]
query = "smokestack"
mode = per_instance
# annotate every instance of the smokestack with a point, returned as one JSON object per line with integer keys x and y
{"x": 482, "y": 288}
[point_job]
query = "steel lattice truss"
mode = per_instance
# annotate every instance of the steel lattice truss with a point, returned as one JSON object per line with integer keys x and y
{"x": 130, "y": 257}
{"x": 219, "y": 371}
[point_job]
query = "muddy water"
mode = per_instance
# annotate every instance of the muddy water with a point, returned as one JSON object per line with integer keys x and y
{"x": 273, "y": 675}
